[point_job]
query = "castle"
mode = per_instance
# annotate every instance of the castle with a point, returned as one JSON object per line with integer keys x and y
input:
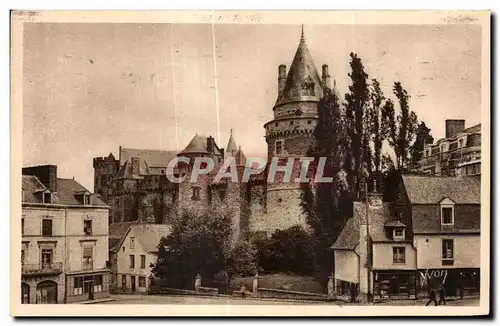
{"x": 137, "y": 188}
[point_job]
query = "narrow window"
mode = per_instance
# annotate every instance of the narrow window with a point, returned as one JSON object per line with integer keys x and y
{"x": 279, "y": 147}
{"x": 196, "y": 193}
{"x": 47, "y": 227}
{"x": 132, "y": 261}
{"x": 132, "y": 243}
{"x": 87, "y": 227}
{"x": 446, "y": 215}
{"x": 143, "y": 261}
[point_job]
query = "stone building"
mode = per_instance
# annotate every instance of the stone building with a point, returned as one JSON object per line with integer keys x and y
{"x": 138, "y": 189}
{"x": 458, "y": 154}
{"x": 394, "y": 251}
{"x": 64, "y": 239}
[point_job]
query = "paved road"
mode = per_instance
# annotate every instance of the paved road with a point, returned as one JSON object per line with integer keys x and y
{"x": 173, "y": 299}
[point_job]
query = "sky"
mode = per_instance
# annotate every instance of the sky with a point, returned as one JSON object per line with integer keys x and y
{"x": 89, "y": 88}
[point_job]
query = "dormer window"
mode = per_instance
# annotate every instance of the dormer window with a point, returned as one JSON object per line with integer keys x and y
{"x": 398, "y": 233}
{"x": 308, "y": 87}
{"x": 47, "y": 198}
{"x": 447, "y": 212}
{"x": 444, "y": 147}
{"x": 86, "y": 199}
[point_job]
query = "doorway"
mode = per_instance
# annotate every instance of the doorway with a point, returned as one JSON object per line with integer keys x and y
{"x": 46, "y": 292}
{"x": 132, "y": 284}
{"x": 88, "y": 287}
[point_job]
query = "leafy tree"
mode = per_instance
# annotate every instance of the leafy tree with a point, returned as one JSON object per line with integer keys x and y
{"x": 400, "y": 130}
{"x": 243, "y": 259}
{"x": 289, "y": 250}
{"x": 423, "y": 137}
{"x": 198, "y": 243}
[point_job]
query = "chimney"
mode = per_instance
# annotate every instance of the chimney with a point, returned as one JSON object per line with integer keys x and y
{"x": 281, "y": 79}
{"x": 453, "y": 127}
{"x": 210, "y": 144}
{"x": 325, "y": 77}
{"x": 135, "y": 165}
{"x": 47, "y": 174}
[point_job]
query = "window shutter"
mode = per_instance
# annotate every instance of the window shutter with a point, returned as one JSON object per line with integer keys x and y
{"x": 87, "y": 252}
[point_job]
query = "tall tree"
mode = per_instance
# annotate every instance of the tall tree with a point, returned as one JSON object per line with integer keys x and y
{"x": 423, "y": 137}
{"x": 321, "y": 201}
{"x": 356, "y": 101}
{"x": 400, "y": 130}
{"x": 375, "y": 129}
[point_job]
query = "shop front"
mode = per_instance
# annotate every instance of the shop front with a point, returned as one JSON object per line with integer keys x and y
{"x": 394, "y": 284}
{"x": 87, "y": 287}
{"x": 456, "y": 282}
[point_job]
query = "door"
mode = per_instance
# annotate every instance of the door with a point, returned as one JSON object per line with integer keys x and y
{"x": 46, "y": 292}
{"x": 132, "y": 280}
{"x": 88, "y": 287}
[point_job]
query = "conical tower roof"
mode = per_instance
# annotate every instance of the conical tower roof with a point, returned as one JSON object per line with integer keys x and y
{"x": 303, "y": 82}
{"x": 231, "y": 145}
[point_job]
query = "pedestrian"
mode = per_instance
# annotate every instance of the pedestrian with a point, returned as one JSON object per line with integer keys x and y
{"x": 432, "y": 297}
{"x": 442, "y": 294}
{"x": 243, "y": 291}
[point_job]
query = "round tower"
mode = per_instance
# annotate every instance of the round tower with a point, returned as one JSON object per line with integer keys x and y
{"x": 291, "y": 135}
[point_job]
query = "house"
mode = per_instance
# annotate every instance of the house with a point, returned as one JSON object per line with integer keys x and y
{"x": 134, "y": 254}
{"x": 445, "y": 214}
{"x": 64, "y": 239}
{"x": 394, "y": 250}
{"x": 458, "y": 154}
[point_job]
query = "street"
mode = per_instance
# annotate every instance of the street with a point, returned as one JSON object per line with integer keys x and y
{"x": 178, "y": 299}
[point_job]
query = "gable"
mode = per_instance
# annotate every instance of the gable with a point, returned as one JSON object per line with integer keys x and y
{"x": 447, "y": 201}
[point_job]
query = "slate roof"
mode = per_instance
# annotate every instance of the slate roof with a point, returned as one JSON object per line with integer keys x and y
{"x": 67, "y": 192}
{"x": 301, "y": 68}
{"x": 147, "y": 235}
{"x": 473, "y": 129}
{"x": 32, "y": 186}
{"x": 432, "y": 189}
{"x": 231, "y": 147}
{"x": 126, "y": 172}
{"x": 198, "y": 145}
{"x": 395, "y": 224}
{"x": 154, "y": 158}
{"x": 118, "y": 230}
{"x": 349, "y": 236}
{"x": 113, "y": 244}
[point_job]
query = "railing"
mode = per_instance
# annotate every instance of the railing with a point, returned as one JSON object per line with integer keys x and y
{"x": 42, "y": 268}
{"x": 87, "y": 265}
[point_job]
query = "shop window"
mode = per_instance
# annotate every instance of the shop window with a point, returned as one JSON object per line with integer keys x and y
{"x": 98, "y": 283}
{"x": 398, "y": 255}
{"x": 78, "y": 285}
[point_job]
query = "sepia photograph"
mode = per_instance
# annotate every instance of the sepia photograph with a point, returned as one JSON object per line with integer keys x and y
{"x": 329, "y": 163}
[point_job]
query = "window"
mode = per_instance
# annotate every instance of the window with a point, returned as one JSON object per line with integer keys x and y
{"x": 196, "y": 193}
{"x": 47, "y": 227}
{"x": 98, "y": 284}
{"x": 22, "y": 257}
{"x": 78, "y": 285}
{"x": 143, "y": 261}
{"x": 124, "y": 281}
{"x": 132, "y": 243}
{"x": 87, "y": 227}
{"x": 22, "y": 226}
{"x": 222, "y": 195}
{"x": 398, "y": 255}
{"x": 398, "y": 234}
{"x": 86, "y": 199}
{"x": 279, "y": 147}
{"x": 308, "y": 87}
{"x": 276, "y": 124}
{"x": 123, "y": 248}
{"x": 47, "y": 198}
{"x": 132, "y": 261}
{"x": 309, "y": 122}
{"x": 447, "y": 254}
{"x": 447, "y": 215}
{"x": 46, "y": 257}
{"x": 142, "y": 282}
{"x": 87, "y": 262}
{"x": 291, "y": 123}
